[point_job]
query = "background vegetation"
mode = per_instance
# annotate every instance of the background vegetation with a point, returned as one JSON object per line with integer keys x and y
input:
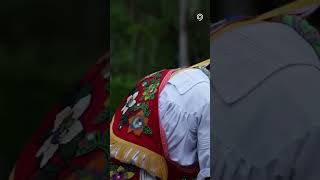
{"x": 145, "y": 38}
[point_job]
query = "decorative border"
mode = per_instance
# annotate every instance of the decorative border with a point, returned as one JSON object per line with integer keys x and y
{"x": 139, "y": 156}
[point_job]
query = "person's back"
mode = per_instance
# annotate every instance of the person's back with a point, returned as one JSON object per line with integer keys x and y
{"x": 163, "y": 126}
{"x": 184, "y": 109}
{"x": 265, "y": 98}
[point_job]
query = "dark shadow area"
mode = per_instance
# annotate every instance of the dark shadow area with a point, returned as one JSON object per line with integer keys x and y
{"x": 45, "y": 48}
{"x": 228, "y": 8}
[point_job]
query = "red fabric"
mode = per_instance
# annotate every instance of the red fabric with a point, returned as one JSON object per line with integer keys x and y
{"x": 95, "y": 69}
{"x": 153, "y": 142}
{"x": 28, "y": 165}
{"x": 96, "y": 106}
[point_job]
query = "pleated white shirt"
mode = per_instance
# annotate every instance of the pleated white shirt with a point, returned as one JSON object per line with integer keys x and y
{"x": 184, "y": 109}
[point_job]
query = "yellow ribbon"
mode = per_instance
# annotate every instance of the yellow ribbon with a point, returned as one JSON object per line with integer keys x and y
{"x": 286, "y": 9}
{"x": 203, "y": 63}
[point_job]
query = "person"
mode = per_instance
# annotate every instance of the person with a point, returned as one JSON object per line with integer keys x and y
{"x": 265, "y": 95}
{"x": 163, "y": 126}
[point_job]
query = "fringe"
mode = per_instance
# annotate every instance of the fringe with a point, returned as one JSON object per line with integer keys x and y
{"x": 129, "y": 153}
{"x": 145, "y": 176}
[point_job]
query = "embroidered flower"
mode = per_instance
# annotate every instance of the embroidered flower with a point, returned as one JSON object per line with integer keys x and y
{"x": 66, "y": 127}
{"x": 137, "y": 123}
{"x": 131, "y": 100}
{"x": 150, "y": 91}
{"x": 120, "y": 174}
{"x": 153, "y": 88}
{"x": 145, "y": 83}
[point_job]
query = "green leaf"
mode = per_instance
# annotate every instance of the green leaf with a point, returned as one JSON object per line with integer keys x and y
{"x": 147, "y": 130}
{"x": 146, "y": 113}
{"x": 155, "y": 81}
{"x": 158, "y": 75}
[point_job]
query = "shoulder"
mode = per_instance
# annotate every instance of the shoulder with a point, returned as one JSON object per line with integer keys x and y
{"x": 249, "y": 55}
{"x": 188, "y": 90}
{"x": 190, "y": 80}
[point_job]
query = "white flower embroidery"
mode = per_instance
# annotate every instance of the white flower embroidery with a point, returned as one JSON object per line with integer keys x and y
{"x": 131, "y": 100}
{"x": 66, "y": 127}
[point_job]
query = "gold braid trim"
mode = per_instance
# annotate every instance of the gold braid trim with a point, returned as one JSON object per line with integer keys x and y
{"x": 276, "y": 12}
{"x": 130, "y": 153}
{"x": 203, "y": 63}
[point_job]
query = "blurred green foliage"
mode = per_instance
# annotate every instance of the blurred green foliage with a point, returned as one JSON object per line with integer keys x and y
{"x": 145, "y": 36}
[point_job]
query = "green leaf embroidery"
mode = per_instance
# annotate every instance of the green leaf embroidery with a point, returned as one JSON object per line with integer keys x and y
{"x": 158, "y": 75}
{"x": 145, "y": 83}
{"x": 152, "y": 96}
{"x": 147, "y": 130}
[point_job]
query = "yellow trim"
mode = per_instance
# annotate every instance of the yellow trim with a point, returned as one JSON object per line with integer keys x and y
{"x": 126, "y": 152}
{"x": 206, "y": 62}
{"x": 276, "y": 12}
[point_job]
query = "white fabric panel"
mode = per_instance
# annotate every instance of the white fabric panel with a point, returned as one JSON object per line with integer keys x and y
{"x": 184, "y": 109}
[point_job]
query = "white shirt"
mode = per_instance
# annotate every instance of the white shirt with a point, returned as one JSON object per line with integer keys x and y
{"x": 184, "y": 108}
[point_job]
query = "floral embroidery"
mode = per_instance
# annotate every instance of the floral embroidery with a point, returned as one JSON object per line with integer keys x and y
{"x": 143, "y": 106}
{"x": 137, "y": 123}
{"x": 121, "y": 174}
{"x": 149, "y": 91}
{"x": 131, "y": 100}
{"x": 66, "y": 127}
{"x": 145, "y": 83}
{"x": 124, "y": 119}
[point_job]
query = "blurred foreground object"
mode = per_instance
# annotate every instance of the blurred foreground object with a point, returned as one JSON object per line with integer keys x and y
{"x": 72, "y": 143}
{"x": 265, "y": 94}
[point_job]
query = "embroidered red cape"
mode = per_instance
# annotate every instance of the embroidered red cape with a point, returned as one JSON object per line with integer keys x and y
{"x": 136, "y": 136}
{"x": 82, "y": 156}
